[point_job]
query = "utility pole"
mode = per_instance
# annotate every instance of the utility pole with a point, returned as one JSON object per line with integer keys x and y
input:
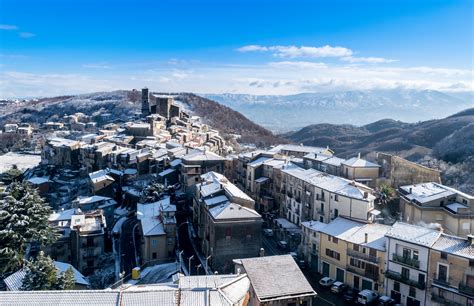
{"x": 190, "y": 258}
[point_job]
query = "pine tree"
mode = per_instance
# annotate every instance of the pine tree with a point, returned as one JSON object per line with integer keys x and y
{"x": 23, "y": 219}
{"x": 40, "y": 274}
{"x": 66, "y": 280}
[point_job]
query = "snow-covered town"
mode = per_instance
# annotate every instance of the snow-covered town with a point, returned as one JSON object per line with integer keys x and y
{"x": 163, "y": 208}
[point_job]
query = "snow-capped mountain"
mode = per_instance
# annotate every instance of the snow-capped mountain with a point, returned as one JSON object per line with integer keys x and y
{"x": 285, "y": 113}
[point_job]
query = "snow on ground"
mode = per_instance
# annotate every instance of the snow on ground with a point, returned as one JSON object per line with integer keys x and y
{"x": 158, "y": 273}
{"x": 22, "y": 161}
{"x": 118, "y": 225}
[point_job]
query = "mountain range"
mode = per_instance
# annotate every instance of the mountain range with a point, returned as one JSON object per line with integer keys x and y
{"x": 288, "y": 113}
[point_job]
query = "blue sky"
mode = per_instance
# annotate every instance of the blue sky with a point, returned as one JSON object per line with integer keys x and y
{"x": 261, "y": 47}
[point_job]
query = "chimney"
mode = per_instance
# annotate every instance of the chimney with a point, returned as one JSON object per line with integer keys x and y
{"x": 470, "y": 239}
{"x": 366, "y": 194}
{"x": 366, "y": 237}
{"x": 262, "y": 252}
{"x": 358, "y": 155}
{"x": 411, "y": 190}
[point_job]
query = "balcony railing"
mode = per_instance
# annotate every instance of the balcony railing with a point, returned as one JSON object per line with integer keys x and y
{"x": 370, "y": 274}
{"x": 442, "y": 300}
{"x": 400, "y": 278}
{"x": 406, "y": 261}
{"x": 464, "y": 288}
{"x": 362, "y": 256}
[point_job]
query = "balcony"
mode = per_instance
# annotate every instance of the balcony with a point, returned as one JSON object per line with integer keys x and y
{"x": 464, "y": 288}
{"x": 435, "y": 297}
{"x": 442, "y": 282}
{"x": 406, "y": 261}
{"x": 363, "y": 272}
{"x": 362, "y": 256}
{"x": 289, "y": 194}
{"x": 400, "y": 278}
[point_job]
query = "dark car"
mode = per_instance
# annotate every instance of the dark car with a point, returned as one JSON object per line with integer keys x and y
{"x": 350, "y": 295}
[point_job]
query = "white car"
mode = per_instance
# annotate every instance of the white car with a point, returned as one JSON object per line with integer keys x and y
{"x": 326, "y": 282}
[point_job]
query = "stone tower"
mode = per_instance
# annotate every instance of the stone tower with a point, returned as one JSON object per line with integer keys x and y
{"x": 145, "y": 102}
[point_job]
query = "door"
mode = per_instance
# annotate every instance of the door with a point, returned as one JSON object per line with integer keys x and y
{"x": 339, "y": 275}
{"x": 442, "y": 273}
{"x": 314, "y": 263}
{"x": 397, "y": 296}
{"x": 356, "y": 282}
{"x": 412, "y": 302}
{"x": 325, "y": 269}
{"x": 366, "y": 284}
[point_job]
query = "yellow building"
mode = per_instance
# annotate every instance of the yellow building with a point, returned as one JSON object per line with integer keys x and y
{"x": 451, "y": 271}
{"x": 354, "y": 253}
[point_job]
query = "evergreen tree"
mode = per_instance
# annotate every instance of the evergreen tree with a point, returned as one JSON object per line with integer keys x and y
{"x": 66, "y": 280}
{"x": 23, "y": 219}
{"x": 40, "y": 274}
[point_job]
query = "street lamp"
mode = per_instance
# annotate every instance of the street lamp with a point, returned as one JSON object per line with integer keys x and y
{"x": 190, "y": 258}
{"x": 207, "y": 259}
{"x": 197, "y": 268}
{"x": 180, "y": 257}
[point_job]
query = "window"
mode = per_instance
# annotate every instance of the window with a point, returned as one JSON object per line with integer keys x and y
{"x": 396, "y": 286}
{"x": 406, "y": 253}
{"x": 196, "y": 179}
{"x": 336, "y": 213}
{"x": 412, "y": 292}
{"x": 333, "y": 254}
{"x": 421, "y": 278}
{"x": 329, "y": 238}
{"x": 355, "y": 247}
{"x": 154, "y": 242}
{"x": 405, "y": 273}
{"x": 471, "y": 263}
{"x": 442, "y": 273}
{"x": 336, "y": 198}
{"x": 335, "y": 240}
{"x": 373, "y": 252}
{"x": 153, "y": 255}
{"x": 444, "y": 255}
{"x": 415, "y": 254}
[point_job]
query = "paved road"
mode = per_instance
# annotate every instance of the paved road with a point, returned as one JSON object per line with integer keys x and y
{"x": 325, "y": 297}
{"x": 127, "y": 249}
{"x": 184, "y": 242}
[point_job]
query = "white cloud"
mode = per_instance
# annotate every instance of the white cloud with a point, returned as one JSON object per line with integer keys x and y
{"x": 97, "y": 66}
{"x": 370, "y": 60}
{"x": 8, "y": 27}
{"x": 298, "y": 64}
{"x": 300, "y": 52}
{"x": 26, "y": 35}
{"x": 252, "y": 48}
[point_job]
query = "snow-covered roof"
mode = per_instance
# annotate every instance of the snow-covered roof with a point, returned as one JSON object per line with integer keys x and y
{"x": 454, "y": 245}
{"x": 82, "y": 200}
{"x": 166, "y": 172}
{"x": 259, "y": 161}
{"x": 375, "y": 236}
{"x": 426, "y": 192}
{"x": 334, "y": 161}
{"x": 262, "y": 179}
{"x": 216, "y": 200}
{"x": 413, "y": 233}
{"x": 276, "y": 277}
{"x": 100, "y": 176}
{"x": 298, "y": 148}
{"x": 175, "y": 162}
{"x": 232, "y": 211}
{"x": 149, "y": 215}
{"x": 199, "y": 155}
{"x": 329, "y": 182}
{"x": 454, "y": 207}
{"x": 358, "y": 162}
{"x": 342, "y": 228}
{"x": 317, "y": 157}
{"x": 38, "y": 180}
{"x": 213, "y": 182}
{"x": 284, "y": 223}
{"x": 21, "y": 161}
{"x": 15, "y": 281}
{"x": 313, "y": 225}
{"x": 62, "y": 215}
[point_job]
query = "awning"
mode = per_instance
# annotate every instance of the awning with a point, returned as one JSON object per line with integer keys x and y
{"x": 261, "y": 180}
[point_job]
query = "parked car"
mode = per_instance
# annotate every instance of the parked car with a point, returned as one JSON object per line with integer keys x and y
{"x": 386, "y": 301}
{"x": 367, "y": 297}
{"x": 282, "y": 244}
{"x": 268, "y": 232}
{"x": 350, "y": 295}
{"x": 338, "y": 287}
{"x": 326, "y": 282}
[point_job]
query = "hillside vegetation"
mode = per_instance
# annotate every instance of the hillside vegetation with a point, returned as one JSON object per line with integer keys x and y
{"x": 446, "y": 144}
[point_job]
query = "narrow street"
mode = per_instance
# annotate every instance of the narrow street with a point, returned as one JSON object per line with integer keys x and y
{"x": 184, "y": 241}
{"x": 127, "y": 248}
